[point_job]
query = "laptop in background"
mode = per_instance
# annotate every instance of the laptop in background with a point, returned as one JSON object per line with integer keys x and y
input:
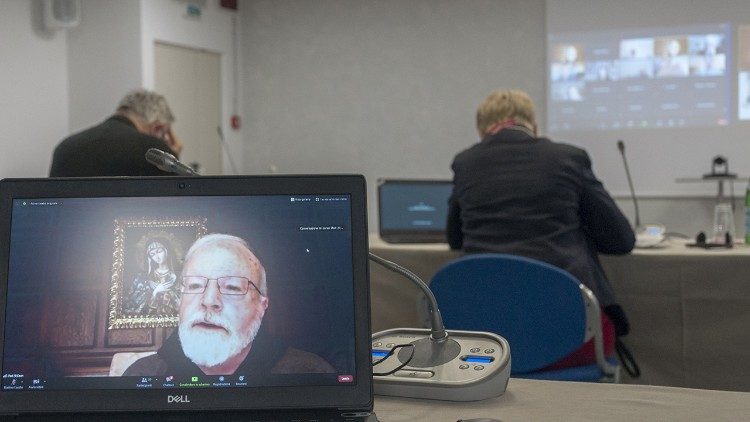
{"x": 80, "y": 262}
{"x": 413, "y": 211}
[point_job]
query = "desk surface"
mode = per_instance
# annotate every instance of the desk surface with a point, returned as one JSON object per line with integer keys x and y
{"x": 689, "y": 308}
{"x": 529, "y": 400}
{"x": 671, "y": 247}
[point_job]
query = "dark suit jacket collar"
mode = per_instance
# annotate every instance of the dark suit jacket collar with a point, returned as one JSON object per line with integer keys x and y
{"x": 121, "y": 119}
{"x": 509, "y": 135}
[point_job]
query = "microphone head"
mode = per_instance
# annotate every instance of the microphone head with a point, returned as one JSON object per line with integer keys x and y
{"x": 621, "y": 145}
{"x": 164, "y": 161}
{"x": 156, "y": 156}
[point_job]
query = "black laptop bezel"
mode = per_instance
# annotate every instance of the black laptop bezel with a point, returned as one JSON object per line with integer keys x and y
{"x": 408, "y": 236}
{"x": 357, "y": 396}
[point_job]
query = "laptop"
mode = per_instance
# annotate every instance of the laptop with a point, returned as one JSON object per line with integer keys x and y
{"x": 413, "y": 211}
{"x": 114, "y": 308}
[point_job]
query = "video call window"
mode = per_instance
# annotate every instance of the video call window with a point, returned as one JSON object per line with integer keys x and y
{"x": 639, "y": 78}
{"x": 96, "y": 286}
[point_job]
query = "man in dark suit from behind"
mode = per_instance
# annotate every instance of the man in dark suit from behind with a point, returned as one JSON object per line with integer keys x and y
{"x": 117, "y": 146}
{"x": 521, "y": 194}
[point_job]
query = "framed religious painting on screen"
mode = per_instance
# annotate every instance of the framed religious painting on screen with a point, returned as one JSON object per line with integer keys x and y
{"x": 146, "y": 264}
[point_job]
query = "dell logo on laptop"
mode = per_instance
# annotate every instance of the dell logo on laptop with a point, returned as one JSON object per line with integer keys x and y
{"x": 178, "y": 399}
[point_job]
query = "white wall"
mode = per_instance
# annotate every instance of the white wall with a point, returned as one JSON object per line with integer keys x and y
{"x": 166, "y": 21}
{"x": 387, "y": 88}
{"x": 56, "y": 83}
{"x": 33, "y": 90}
{"x": 380, "y": 87}
{"x": 104, "y": 59}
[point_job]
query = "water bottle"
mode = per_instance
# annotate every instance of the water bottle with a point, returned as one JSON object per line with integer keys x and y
{"x": 747, "y": 215}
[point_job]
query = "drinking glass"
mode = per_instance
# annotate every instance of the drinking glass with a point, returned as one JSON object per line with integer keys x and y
{"x": 723, "y": 223}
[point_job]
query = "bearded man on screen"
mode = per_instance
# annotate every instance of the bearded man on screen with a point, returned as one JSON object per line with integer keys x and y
{"x": 224, "y": 299}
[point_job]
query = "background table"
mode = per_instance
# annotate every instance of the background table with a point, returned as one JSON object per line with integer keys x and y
{"x": 689, "y": 308}
{"x": 529, "y": 400}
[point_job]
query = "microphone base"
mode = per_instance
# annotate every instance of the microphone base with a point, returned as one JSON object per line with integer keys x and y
{"x": 650, "y": 236}
{"x": 429, "y": 353}
{"x": 467, "y": 366}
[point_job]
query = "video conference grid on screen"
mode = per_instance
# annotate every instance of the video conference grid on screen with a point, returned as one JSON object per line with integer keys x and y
{"x": 639, "y": 78}
{"x": 91, "y": 279}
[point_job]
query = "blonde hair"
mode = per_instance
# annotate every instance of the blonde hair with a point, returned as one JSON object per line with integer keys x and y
{"x": 505, "y": 104}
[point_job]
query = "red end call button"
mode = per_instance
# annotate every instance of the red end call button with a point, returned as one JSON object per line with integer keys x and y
{"x": 346, "y": 378}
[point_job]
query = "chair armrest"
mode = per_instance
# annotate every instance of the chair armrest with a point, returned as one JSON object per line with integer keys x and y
{"x": 594, "y": 330}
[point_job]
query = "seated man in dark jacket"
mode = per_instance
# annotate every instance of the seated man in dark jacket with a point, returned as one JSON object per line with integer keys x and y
{"x": 525, "y": 195}
{"x": 118, "y": 145}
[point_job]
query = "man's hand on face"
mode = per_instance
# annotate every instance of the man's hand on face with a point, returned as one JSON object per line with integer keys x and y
{"x": 164, "y": 132}
{"x": 172, "y": 141}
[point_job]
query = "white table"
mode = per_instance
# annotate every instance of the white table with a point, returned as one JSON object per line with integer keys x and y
{"x": 689, "y": 308}
{"x": 529, "y": 400}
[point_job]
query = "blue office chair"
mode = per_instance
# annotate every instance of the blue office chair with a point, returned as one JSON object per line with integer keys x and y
{"x": 543, "y": 312}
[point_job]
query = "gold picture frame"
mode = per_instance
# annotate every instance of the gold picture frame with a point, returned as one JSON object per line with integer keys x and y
{"x": 146, "y": 263}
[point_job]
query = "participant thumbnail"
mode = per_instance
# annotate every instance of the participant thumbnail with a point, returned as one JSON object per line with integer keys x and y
{"x": 567, "y": 63}
{"x": 636, "y": 58}
{"x": 743, "y": 34}
{"x": 707, "y": 54}
{"x": 568, "y": 92}
{"x": 605, "y": 70}
{"x": 637, "y": 48}
{"x": 672, "y": 59}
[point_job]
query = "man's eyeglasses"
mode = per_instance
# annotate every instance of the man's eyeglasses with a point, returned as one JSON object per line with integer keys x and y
{"x": 230, "y": 286}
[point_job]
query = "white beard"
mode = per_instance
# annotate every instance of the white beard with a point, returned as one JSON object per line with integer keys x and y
{"x": 211, "y": 348}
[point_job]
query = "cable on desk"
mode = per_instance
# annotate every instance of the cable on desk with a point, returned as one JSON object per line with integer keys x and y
{"x": 390, "y": 353}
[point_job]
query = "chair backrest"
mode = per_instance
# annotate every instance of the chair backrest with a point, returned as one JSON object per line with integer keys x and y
{"x": 537, "y": 307}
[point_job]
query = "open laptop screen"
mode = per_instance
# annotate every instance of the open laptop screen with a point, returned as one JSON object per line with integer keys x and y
{"x": 413, "y": 210}
{"x": 175, "y": 292}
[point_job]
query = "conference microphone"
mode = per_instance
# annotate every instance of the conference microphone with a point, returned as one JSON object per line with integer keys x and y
{"x": 436, "y": 363}
{"x": 651, "y": 234}
{"x": 437, "y": 334}
{"x": 168, "y": 162}
{"x": 621, "y": 147}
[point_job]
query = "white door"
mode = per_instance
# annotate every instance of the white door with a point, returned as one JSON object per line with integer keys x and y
{"x": 190, "y": 79}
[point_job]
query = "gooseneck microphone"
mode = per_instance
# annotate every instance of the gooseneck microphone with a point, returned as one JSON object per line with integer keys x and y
{"x": 465, "y": 366}
{"x": 168, "y": 162}
{"x": 436, "y": 321}
{"x": 621, "y": 147}
{"x": 437, "y": 349}
{"x": 647, "y": 235}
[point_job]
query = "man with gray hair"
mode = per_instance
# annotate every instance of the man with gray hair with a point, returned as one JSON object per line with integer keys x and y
{"x": 224, "y": 299}
{"x": 117, "y": 146}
